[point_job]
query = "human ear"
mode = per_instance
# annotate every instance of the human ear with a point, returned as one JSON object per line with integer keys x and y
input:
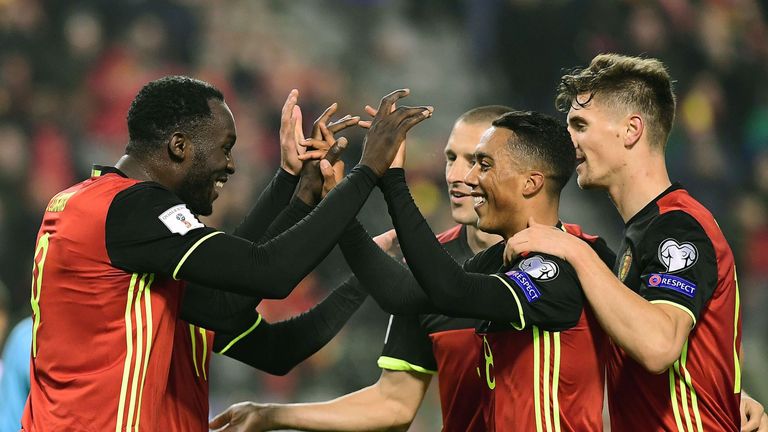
{"x": 533, "y": 183}
{"x": 178, "y": 146}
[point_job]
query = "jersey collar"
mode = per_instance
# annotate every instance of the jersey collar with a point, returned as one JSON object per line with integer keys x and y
{"x": 100, "y": 170}
{"x": 651, "y": 206}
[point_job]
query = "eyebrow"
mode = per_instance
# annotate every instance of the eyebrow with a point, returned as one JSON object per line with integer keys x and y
{"x": 576, "y": 119}
{"x": 481, "y": 155}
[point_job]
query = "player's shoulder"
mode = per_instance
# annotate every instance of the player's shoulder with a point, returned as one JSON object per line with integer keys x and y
{"x": 597, "y": 243}
{"x": 450, "y": 235}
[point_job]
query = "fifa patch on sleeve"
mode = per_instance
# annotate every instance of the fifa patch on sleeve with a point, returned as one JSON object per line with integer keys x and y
{"x": 178, "y": 219}
{"x": 525, "y": 283}
{"x": 674, "y": 283}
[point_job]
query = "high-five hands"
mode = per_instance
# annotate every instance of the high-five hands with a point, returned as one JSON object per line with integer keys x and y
{"x": 399, "y": 160}
{"x": 388, "y": 129}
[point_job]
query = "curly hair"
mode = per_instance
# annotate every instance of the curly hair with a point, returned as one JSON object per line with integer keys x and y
{"x": 544, "y": 142}
{"x": 624, "y": 83}
{"x": 166, "y": 105}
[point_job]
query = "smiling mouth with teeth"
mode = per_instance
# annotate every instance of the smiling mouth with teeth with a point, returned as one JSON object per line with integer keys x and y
{"x": 479, "y": 200}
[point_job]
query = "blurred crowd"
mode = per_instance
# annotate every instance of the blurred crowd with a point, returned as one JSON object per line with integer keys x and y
{"x": 69, "y": 70}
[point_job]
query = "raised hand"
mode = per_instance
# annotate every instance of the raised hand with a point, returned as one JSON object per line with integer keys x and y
{"x": 388, "y": 130}
{"x": 318, "y": 143}
{"x": 399, "y": 160}
{"x": 291, "y": 135}
{"x": 312, "y": 188}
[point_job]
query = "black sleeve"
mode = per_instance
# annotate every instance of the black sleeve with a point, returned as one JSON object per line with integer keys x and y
{"x": 269, "y": 205}
{"x": 407, "y": 346}
{"x": 230, "y": 263}
{"x": 277, "y": 347}
{"x": 677, "y": 263}
{"x": 457, "y": 292}
{"x": 223, "y": 311}
{"x": 386, "y": 279}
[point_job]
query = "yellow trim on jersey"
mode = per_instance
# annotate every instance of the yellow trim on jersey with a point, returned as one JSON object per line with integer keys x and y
{"x": 519, "y": 305}
{"x": 689, "y": 384}
{"x": 242, "y": 335}
{"x": 550, "y": 369}
{"x": 678, "y": 374}
{"x": 555, "y": 382}
{"x": 536, "y": 387}
{"x": 128, "y": 354}
{"x": 204, "y": 335}
{"x": 673, "y": 397}
{"x": 148, "y": 309}
{"x": 194, "y": 349}
{"x": 192, "y": 249}
{"x": 37, "y": 282}
{"x": 390, "y": 363}
{"x": 139, "y": 357}
{"x": 547, "y": 419}
{"x": 143, "y": 344}
{"x": 95, "y": 172}
{"x": 736, "y": 359}
{"x": 679, "y": 306}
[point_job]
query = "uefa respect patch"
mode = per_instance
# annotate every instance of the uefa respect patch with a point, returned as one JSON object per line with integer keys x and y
{"x": 674, "y": 283}
{"x": 525, "y": 283}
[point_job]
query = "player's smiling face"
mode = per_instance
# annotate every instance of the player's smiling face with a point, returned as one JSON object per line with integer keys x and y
{"x": 459, "y": 154}
{"x": 212, "y": 161}
{"x": 595, "y": 131}
{"x": 496, "y": 180}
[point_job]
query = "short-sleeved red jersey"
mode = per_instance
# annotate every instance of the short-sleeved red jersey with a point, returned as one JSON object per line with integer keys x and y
{"x": 674, "y": 253}
{"x": 102, "y": 337}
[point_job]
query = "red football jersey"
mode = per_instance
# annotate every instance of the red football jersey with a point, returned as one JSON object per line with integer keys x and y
{"x": 674, "y": 253}
{"x": 538, "y": 380}
{"x": 103, "y": 337}
{"x": 185, "y": 406}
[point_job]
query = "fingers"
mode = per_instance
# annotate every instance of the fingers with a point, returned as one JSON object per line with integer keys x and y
{"x": 385, "y": 106}
{"x": 335, "y": 152}
{"x": 287, "y": 111}
{"x": 298, "y": 123}
{"x": 338, "y": 171}
{"x": 221, "y": 420}
{"x": 323, "y": 119}
{"x": 343, "y": 123}
{"x": 371, "y": 111}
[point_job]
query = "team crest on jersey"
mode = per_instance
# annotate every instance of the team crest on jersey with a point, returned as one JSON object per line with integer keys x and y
{"x": 178, "y": 219}
{"x": 677, "y": 256}
{"x": 539, "y": 268}
{"x": 625, "y": 264}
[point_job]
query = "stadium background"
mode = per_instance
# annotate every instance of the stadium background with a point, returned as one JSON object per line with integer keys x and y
{"x": 68, "y": 71}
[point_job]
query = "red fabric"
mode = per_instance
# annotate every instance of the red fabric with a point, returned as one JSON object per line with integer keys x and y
{"x": 640, "y": 400}
{"x": 83, "y": 370}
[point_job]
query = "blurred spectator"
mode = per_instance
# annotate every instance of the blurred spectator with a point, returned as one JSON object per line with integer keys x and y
{"x": 14, "y": 381}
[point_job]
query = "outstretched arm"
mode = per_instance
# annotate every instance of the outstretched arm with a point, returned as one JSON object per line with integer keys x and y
{"x": 479, "y": 290}
{"x": 387, "y": 280}
{"x": 389, "y": 405}
{"x": 277, "y": 348}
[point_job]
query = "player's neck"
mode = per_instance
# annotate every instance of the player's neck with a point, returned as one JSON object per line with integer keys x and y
{"x": 134, "y": 168}
{"x": 480, "y": 240}
{"x": 640, "y": 184}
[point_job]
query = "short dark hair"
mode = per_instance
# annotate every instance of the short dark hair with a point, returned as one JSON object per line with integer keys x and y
{"x": 164, "y": 106}
{"x": 544, "y": 143}
{"x": 484, "y": 114}
{"x": 634, "y": 83}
